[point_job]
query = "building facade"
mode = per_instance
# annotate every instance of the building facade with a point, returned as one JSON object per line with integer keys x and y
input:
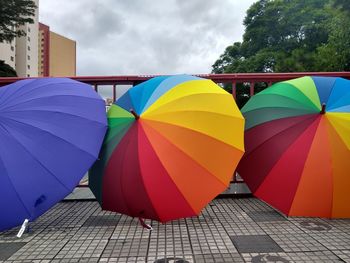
{"x": 57, "y": 54}
{"x": 22, "y": 53}
{"x": 41, "y": 52}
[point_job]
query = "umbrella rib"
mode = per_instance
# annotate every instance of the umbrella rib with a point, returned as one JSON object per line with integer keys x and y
{"x": 187, "y": 128}
{"x": 170, "y": 178}
{"x": 303, "y": 111}
{"x": 300, "y": 178}
{"x": 338, "y": 98}
{"x": 270, "y": 138}
{"x": 206, "y": 112}
{"x": 14, "y": 188}
{"x": 161, "y": 85}
{"x": 18, "y": 88}
{"x": 54, "y": 136}
{"x": 147, "y": 111}
{"x": 35, "y": 158}
{"x": 121, "y": 179}
{"x": 187, "y": 156}
{"x": 199, "y": 111}
{"x": 313, "y": 107}
{"x": 55, "y": 111}
{"x": 43, "y": 85}
{"x": 51, "y": 96}
{"x": 290, "y": 97}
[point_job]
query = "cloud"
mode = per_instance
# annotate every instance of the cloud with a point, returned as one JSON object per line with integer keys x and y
{"x": 146, "y": 37}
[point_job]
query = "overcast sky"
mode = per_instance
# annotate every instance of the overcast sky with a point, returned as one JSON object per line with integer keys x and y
{"x": 117, "y": 37}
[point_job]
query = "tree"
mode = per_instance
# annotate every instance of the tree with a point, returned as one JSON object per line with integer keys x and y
{"x": 280, "y": 36}
{"x": 290, "y": 36}
{"x": 6, "y": 70}
{"x": 14, "y": 13}
{"x": 335, "y": 54}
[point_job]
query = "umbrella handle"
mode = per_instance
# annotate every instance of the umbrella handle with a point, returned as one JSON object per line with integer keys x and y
{"x": 147, "y": 226}
{"x": 23, "y": 228}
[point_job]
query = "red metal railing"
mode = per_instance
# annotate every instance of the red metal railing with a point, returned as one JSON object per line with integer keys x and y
{"x": 233, "y": 79}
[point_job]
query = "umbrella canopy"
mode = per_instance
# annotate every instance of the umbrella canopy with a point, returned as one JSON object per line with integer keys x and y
{"x": 51, "y": 131}
{"x": 297, "y": 146}
{"x": 172, "y": 146}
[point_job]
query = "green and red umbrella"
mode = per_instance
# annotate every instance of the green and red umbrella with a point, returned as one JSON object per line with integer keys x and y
{"x": 297, "y": 146}
{"x": 172, "y": 146}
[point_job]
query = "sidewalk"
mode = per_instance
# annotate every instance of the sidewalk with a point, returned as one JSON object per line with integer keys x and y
{"x": 228, "y": 230}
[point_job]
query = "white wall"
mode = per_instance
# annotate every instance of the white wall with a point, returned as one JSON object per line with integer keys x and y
{"x": 27, "y": 49}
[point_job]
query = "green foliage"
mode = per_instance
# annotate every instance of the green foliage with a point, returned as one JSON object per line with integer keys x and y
{"x": 290, "y": 36}
{"x": 14, "y": 13}
{"x": 280, "y": 36}
{"x": 6, "y": 70}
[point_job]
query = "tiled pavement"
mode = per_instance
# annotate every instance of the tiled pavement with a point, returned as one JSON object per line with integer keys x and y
{"x": 228, "y": 230}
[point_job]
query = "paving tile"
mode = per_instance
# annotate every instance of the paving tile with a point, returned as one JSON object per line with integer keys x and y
{"x": 252, "y": 204}
{"x": 297, "y": 242}
{"x": 130, "y": 247}
{"x": 343, "y": 254}
{"x": 76, "y": 214}
{"x": 298, "y": 257}
{"x": 90, "y": 248}
{"x": 208, "y": 237}
{"x": 11, "y": 235}
{"x": 266, "y": 216}
{"x": 98, "y": 232}
{"x": 75, "y": 260}
{"x": 129, "y": 227}
{"x": 39, "y": 249}
{"x": 219, "y": 258}
{"x": 312, "y": 225}
{"x": 338, "y": 224}
{"x": 102, "y": 220}
{"x": 278, "y": 227}
{"x": 255, "y": 244}
{"x": 123, "y": 260}
{"x": 234, "y": 220}
{"x": 8, "y": 249}
{"x": 83, "y": 232}
{"x": 333, "y": 240}
{"x": 169, "y": 240}
{"x": 184, "y": 259}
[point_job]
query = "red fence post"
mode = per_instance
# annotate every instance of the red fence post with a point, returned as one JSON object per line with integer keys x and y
{"x": 114, "y": 92}
{"x": 251, "y": 88}
{"x": 234, "y": 89}
{"x": 96, "y": 87}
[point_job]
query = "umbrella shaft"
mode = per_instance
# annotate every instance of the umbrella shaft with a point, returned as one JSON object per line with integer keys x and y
{"x": 135, "y": 114}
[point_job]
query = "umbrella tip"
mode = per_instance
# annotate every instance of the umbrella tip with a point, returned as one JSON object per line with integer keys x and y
{"x": 147, "y": 226}
{"x": 135, "y": 114}
{"x": 323, "y": 110}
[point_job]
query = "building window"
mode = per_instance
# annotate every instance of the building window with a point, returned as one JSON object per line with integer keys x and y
{"x": 28, "y": 75}
{"x": 28, "y": 29}
{"x": 28, "y": 66}
{"x": 28, "y": 57}
{"x": 28, "y": 48}
{"x": 28, "y": 38}
{"x": 12, "y": 48}
{"x": 12, "y": 59}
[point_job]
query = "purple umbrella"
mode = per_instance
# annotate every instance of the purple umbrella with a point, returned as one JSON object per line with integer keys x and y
{"x": 51, "y": 131}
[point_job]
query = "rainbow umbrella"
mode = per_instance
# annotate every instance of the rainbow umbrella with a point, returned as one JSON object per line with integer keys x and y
{"x": 172, "y": 146}
{"x": 297, "y": 146}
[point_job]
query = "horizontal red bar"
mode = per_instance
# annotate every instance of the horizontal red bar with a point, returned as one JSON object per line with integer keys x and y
{"x": 219, "y": 78}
